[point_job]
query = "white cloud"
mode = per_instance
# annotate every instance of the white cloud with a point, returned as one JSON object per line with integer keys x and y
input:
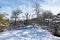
{"x": 52, "y": 5}
{"x": 54, "y": 10}
{"x": 51, "y": 1}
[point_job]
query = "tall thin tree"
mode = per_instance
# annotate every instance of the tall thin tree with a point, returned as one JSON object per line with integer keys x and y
{"x": 37, "y": 9}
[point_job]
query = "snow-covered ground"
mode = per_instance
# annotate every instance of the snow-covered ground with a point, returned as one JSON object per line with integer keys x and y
{"x": 28, "y": 34}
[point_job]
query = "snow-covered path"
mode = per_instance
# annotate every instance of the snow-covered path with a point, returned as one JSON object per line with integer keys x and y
{"x": 28, "y": 34}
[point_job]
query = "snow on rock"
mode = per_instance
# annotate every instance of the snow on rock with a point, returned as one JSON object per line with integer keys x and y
{"x": 27, "y": 34}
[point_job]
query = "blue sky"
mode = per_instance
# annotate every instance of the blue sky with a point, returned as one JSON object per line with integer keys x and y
{"x": 26, "y": 5}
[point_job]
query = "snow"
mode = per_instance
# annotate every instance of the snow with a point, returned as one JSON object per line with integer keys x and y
{"x": 28, "y": 34}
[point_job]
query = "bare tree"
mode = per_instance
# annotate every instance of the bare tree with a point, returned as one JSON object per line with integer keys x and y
{"x": 27, "y": 16}
{"x": 15, "y": 14}
{"x": 37, "y": 9}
